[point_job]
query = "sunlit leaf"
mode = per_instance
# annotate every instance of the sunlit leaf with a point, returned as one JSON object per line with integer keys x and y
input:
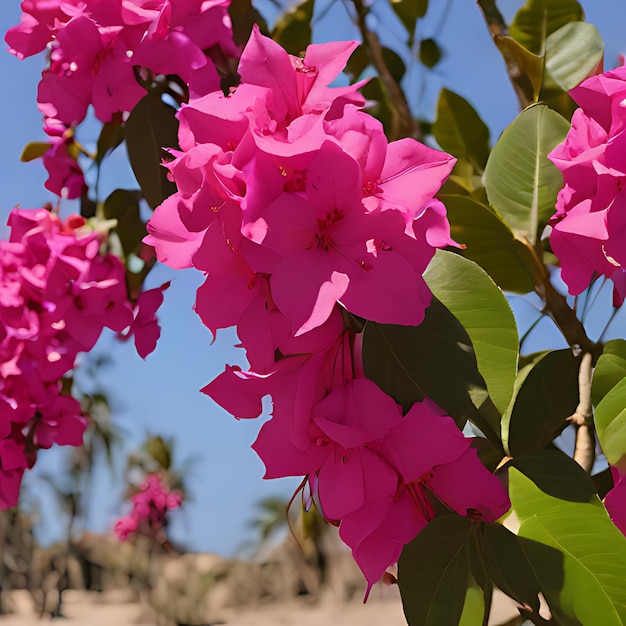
{"x": 151, "y": 126}
{"x": 594, "y": 551}
{"x": 609, "y": 370}
{"x": 546, "y": 394}
{"x": 475, "y": 300}
{"x": 573, "y": 53}
{"x": 610, "y": 419}
{"x": 530, "y": 66}
{"x": 490, "y": 242}
{"x": 434, "y": 572}
{"x": 460, "y": 131}
{"x": 538, "y": 19}
{"x": 521, "y": 182}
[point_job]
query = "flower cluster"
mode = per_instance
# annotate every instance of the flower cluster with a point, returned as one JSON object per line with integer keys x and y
{"x": 94, "y": 49}
{"x": 305, "y": 219}
{"x": 57, "y": 293}
{"x": 151, "y": 505}
{"x": 589, "y": 227}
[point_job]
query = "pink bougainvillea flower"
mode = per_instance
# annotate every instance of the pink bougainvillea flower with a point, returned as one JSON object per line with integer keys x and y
{"x": 145, "y": 328}
{"x": 615, "y": 500}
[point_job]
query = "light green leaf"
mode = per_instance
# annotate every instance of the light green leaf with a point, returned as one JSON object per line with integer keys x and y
{"x": 479, "y": 304}
{"x": 610, "y": 419}
{"x": 434, "y": 573}
{"x": 573, "y": 53}
{"x": 609, "y": 370}
{"x": 460, "y": 131}
{"x": 530, "y": 66}
{"x": 474, "y": 607}
{"x": 538, "y": 19}
{"x": 546, "y": 394}
{"x": 594, "y": 551}
{"x": 521, "y": 182}
{"x": 491, "y": 243}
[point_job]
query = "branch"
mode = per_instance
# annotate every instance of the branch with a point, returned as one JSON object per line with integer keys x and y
{"x": 498, "y": 28}
{"x": 403, "y": 124}
{"x": 585, "y": 448}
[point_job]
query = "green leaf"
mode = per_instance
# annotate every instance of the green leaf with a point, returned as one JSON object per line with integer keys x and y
{"x": 111, "y": 136}
{"x": 460, "y": 131}
{"x": 357, "y": 63}
{"x": 434, "y": 572}
{"x": 538, "y": 19}
{"x": 491, "y": 243}
{"x": 573, "y": 53}
{"x": 244, "y": 16}
{"x": 409, "y": 11}
{"x": 476, "y": 301}
{"x": 151, "y": 126}
{"x": 430, "y": 53}
{"x": 435, "y": 359}
{"x": 530, "y": 66}
{"x": 521, "y": 182}
{"x": 609, "y": 370}
{"x": 507, "y": 565}
{"x": 594, "y": 551}
{"x": 610, "y": 419}
{"x": 556, "y": 474}
{"x": 546, "y": 395}
{"x": 473, "y": 608}
{"x": 123, "y": 206}
{"x": 293, "y": 28}
{"x": 34, "y": 150}
{"x": 379, "y": 106}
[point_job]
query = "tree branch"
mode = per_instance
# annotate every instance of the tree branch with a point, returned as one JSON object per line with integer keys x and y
{"x": 403, "y": 124}
{"x": 585, "y": 447}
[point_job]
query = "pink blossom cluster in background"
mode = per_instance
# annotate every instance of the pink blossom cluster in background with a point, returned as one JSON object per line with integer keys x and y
{"x": 92, "y": 48}
{"x": 57, "y": 293}
{"x": 304, "y": 219}
{"x": 589, "y": 227}
{"x": 151, "y": 505}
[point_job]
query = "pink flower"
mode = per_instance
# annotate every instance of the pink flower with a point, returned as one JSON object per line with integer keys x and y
{"x": 615, "y": 500}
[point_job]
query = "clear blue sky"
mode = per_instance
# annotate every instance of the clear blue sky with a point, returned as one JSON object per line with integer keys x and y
{"x": 161, "y": 394}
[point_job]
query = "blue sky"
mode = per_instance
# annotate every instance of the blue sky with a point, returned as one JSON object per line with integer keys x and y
{"x": 161, "y": 395}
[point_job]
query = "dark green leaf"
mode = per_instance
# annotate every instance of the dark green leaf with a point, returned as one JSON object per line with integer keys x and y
{"x": 538, "y": 19}
{"x": 293, "y": 29}
{"x": 409, "y": 11}
{"x": 379, "y": 103}
{"x": 546, "y": 395}
{"x": 430, "y": 53}
{"x": 521, "y": 182}
{"x": 160, "y": 451}
{"x": 123, "y": 206}
{"x": 556, "y": 474}
{"x": 507, "y": 565}
{"x": 475, "y": 300}
{"x": 394, "y": 64}
{"x": 244, "y": 16}
{"x": 610, "y": 419}
{"x": 151, "y": 126}
{"x": 573, "y": 53}
{"x": 609, "y": 370}
{"x": 357, "y": 62}
{"x": 460, "y": 131}
{"x": 490, "y": 242}
{"x": 111, "y": 136}
{"x": 434, "y": 359}
{"x": 34, "y": 150}
{"x": 434, "y": 572}
{"x": 594, "y": 551}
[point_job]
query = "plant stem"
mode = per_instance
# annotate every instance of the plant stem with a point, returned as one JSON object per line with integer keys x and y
{"x": 403, "y": 124}
{"x": 585, "y": 448}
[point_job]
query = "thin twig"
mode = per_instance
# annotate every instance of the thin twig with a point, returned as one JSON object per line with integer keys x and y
{"x": 403, "y": 124}
{"x": 585, "y": 448}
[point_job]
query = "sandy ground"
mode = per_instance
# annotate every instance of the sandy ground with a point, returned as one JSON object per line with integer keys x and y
{"x": 114, "y": 609}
